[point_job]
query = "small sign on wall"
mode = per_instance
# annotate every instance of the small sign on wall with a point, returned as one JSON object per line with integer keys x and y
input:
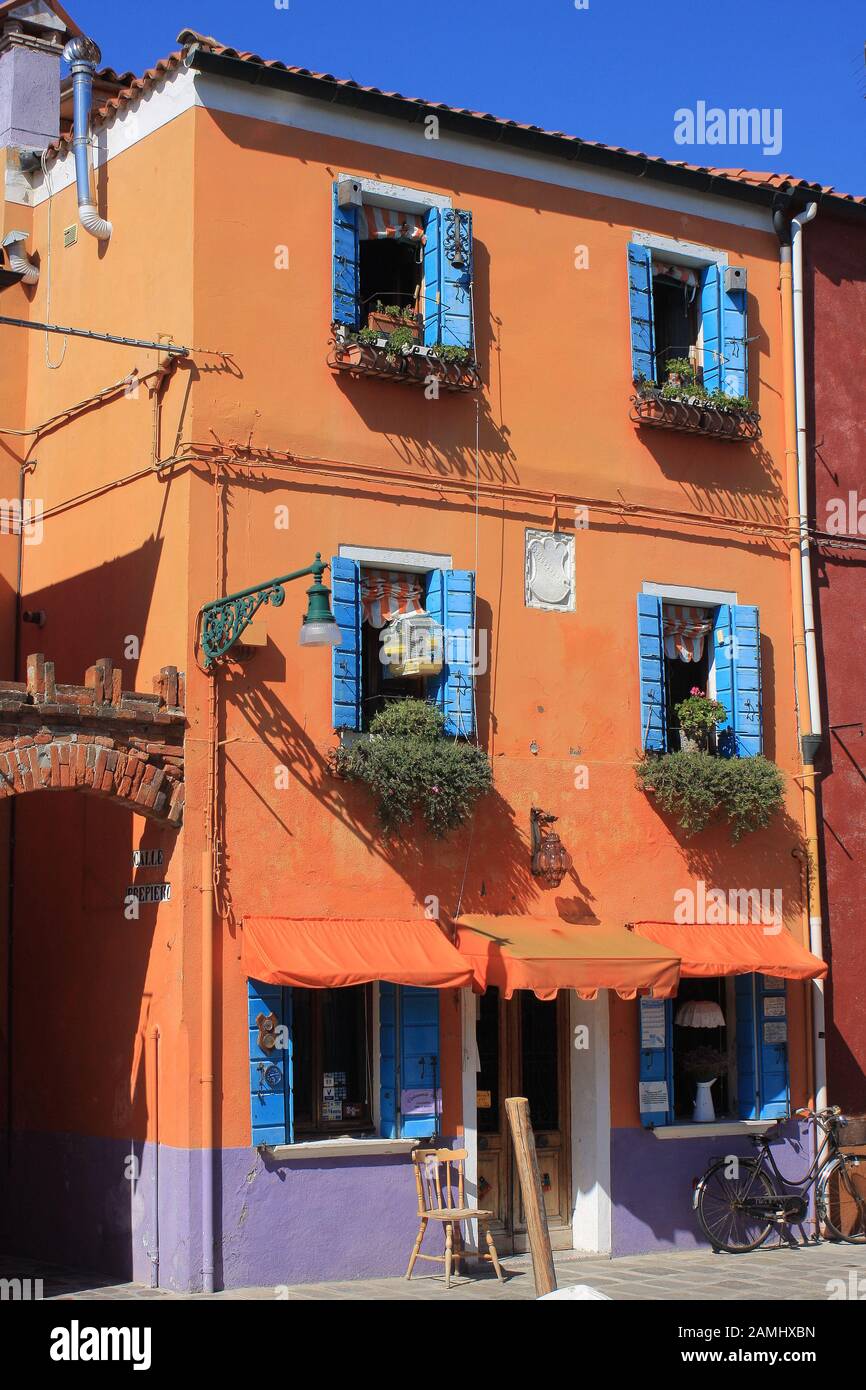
{"x": 147, "y": 858}
{"x": 653, "y": 1096}
{"x": 149, "y": 892}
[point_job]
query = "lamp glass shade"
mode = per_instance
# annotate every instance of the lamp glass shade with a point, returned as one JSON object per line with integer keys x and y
{"x": 700, "y": 1013}
{"x": 320, "y": 634}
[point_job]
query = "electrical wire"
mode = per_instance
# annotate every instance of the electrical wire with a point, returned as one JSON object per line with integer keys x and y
{"x": 52, "y": 366}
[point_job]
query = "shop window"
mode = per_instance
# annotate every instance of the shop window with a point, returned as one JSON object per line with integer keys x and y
{"x": 314, "y": 1053}
{"x": 715, "y": 648}
{"x": 333, "y": 1081}
{"x": 403, "y": 634}
{"x": 718, "y": 1051}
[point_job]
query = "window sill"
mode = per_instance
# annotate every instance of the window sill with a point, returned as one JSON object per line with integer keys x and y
{"x": 717, "y": 1129}
{"x": 340, "y": 1148}
{"x": 737, "y": 425}
{"x": 414, "y": 367}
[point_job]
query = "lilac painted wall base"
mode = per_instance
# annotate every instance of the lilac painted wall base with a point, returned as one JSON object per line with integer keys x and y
{"x": 652, "y": 1184}
{"x": 67, "y": 1200}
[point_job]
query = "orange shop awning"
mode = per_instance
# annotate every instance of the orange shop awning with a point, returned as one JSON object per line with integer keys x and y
{"x": 332, "y": 952}
{"x": 735, "y": 949}
{"x": 546, "y": 954}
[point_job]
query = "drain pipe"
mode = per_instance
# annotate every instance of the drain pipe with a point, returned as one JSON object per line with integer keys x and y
{"x": 18, "y": 261}
{"x": 796, "y": 527}
{"x": 83, "y": 55}
{"x": 797, "y": 225}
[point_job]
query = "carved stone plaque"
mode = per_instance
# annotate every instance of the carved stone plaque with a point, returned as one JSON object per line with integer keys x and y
{"x": 549, "y": 570}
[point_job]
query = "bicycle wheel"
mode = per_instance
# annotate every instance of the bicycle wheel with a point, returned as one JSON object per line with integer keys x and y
{"x": 841, "y": 1199}
{"x": 724, "y": 1221}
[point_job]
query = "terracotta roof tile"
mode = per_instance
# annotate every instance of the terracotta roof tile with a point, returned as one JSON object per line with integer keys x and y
{"x": 191, "y": 39}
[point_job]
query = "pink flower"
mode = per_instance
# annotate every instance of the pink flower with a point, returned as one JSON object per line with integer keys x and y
{"x": 696, "y": 690}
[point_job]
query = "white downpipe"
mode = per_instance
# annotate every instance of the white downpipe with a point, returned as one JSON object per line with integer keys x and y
{"x": 469, "y": 1056}
{"x": 18, "y": 261}
{"x": 816, "y": 943}
{"x": 797, "y": 225}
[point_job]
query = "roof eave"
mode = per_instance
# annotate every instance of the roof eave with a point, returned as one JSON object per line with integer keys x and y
{"x": 569, "y": 149}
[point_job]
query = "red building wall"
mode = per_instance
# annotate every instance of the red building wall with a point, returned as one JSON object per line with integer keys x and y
{"x": 836, "y": 312}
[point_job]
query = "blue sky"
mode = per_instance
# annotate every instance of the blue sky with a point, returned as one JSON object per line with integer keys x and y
{"x": 615, "y": 71}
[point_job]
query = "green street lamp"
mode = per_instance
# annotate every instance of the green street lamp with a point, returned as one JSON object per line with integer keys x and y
{"x": 224, "y": 619}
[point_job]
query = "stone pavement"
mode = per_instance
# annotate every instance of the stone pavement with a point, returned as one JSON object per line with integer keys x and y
{"x": 814, "y": 1272}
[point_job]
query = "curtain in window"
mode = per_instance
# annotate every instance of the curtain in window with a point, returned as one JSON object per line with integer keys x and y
{"x": 676, "y": 272}
{"x": 685, "y": 631}
{"x": 387, "y": 593}
{"x": 378, "y": 223}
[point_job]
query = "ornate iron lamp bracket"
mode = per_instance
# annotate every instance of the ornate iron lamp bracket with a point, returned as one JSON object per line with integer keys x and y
{"x": 224, "y": 619}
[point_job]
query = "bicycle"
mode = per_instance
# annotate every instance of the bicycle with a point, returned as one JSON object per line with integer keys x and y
{"x": 738, "y": 1201}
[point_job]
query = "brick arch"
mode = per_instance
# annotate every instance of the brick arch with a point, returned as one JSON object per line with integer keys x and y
{"x": 96, "y": 738}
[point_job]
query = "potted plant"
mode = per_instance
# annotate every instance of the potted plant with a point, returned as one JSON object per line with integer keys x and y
{"x": 680, "y": 371}
{"x": 698, "y": 717}
{"x": 705, "y": 1065}
{"x": 385, "y": 319}
{"x": 411, "y": 767}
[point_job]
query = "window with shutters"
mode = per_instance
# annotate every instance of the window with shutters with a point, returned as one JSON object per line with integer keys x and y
{"x": 712, "y": 647}
{"x": 404, "y": 634}
{"x": 689, "y": 343}
{"x": 402, "y": 286}
{"x": 327, "y": 1062}
{"x": 727, "y": 1030}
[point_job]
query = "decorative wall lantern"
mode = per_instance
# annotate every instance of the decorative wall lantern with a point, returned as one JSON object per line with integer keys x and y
{"x": 550, "y": 859}
{"x": 225, "y": 619}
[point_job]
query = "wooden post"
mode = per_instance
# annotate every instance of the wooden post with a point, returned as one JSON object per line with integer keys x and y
{"x": 544, "y": 1273}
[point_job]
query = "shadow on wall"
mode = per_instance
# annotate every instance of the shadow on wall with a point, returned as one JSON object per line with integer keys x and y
{"x": 93, "y": 613}
{"x": 489, "y": 862}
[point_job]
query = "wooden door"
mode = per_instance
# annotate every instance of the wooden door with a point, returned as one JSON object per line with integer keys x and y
{"x": 523, "y": 1051}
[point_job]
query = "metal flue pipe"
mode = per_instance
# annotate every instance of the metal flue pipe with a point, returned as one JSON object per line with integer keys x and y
{"x": 83, "y": 55}
{"x": 19, "y": 261}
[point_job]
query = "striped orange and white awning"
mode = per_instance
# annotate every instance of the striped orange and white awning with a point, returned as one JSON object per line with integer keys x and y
{"x": 387, "y": 593}
{"x": 685, "y": 631}
{"x": 376, "y": 223}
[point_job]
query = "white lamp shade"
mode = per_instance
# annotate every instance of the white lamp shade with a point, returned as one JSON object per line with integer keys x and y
{"x": 320, "y": 635}
{"x": 700, "y": 1013}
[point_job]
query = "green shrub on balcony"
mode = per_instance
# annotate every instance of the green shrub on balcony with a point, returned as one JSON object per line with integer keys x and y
{"x": 697, "y": 788}
{"x": 410, "y": 766}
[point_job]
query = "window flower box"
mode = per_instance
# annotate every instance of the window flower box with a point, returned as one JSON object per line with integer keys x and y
{"x": 373, "y": 356}
{"x": 692, "y": 411}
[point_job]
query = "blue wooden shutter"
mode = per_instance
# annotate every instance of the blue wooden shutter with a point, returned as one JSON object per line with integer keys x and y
{"x": 409, "y": 1070}
{"x": 432, "y": 277}
{"x": 772, "y": 1048}
{"x": 346, "y": 659}
{"x": 651, "y": 656}
{"x": 737, "y": 665}
{"x": 456, "y": 277}
{"x": 388, "y": 1061}
{"x": 735, "y": 342}
{"x": 762, "y": 1065}
{"x": 347, "y": 265}
{"x": 657, "y": 1064}
{"x": 271, "y": 1107}
{"x": 711, "y": 328}
{"x": 451, "y": 602}
{"x": 640, "y": 295}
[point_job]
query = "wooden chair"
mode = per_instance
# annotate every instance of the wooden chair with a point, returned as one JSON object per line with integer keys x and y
{"x": 438, "y": 1172}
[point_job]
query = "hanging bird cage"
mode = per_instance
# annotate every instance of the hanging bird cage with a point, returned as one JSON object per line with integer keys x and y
{"x": 412, "y": 645}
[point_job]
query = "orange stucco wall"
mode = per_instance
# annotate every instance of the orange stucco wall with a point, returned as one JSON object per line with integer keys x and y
{"x": 201, "y": 210}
